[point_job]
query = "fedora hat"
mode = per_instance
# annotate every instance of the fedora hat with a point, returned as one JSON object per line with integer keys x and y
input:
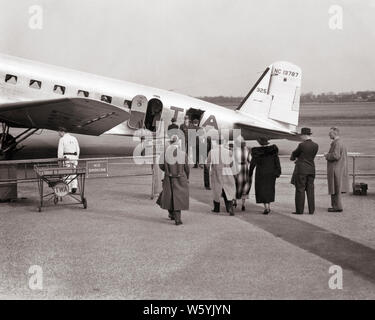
{"x": 306, "y": 131}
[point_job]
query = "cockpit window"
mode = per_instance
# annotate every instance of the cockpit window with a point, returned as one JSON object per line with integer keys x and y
{"x": 105, "y": 98}
{"x": 59, "y": 89}
{"x": 10, "y": 78}
{"x": 35, "y": 84}
{"x": 82, "y": 93}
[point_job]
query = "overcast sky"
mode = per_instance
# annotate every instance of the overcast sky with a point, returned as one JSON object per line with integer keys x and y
{"x": 198, "y": 47}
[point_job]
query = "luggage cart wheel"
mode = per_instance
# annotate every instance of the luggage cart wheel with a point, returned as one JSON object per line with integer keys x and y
{"x": 55, "y": 200}
{"x": 84, "y": 202}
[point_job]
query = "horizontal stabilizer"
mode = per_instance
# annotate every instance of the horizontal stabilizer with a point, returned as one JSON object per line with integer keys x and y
{"x": 252, "y": 133}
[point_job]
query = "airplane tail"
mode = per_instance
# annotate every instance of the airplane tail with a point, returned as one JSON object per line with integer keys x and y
{"x": 276, "y": 95}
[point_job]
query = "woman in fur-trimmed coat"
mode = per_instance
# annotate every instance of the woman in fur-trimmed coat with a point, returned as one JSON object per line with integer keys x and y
{"x": 267, "y": 163}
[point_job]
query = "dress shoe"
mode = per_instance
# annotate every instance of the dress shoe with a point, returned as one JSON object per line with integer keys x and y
{"x": 266, "y": 211}
{"x": 243, "y": 208}
{"x": 231, "y": 208}
{"x": 311, "y": 212}
{"x": 216, "y": 207}
{"x": 334, "y": 210}
{"x": 296, "y": 213}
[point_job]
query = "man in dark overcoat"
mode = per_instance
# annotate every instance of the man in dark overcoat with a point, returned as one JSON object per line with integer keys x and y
{"x": 304, "y": 172}
{"x": 175, "y": 194}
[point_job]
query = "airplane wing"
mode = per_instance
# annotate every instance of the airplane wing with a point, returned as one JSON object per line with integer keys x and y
{"x": 77, "y": 115}
{"x": 252, "y": 133}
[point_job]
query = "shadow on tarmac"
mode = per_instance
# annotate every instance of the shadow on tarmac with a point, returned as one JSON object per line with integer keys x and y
{"x": 339, "y": 250}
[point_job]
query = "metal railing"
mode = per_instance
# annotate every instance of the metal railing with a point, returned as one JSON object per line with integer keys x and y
{"x": 25, "y": 172}
{"x": 352, "y": 157}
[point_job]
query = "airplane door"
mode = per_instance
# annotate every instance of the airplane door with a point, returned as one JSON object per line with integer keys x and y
{"x": 138, "y": 112}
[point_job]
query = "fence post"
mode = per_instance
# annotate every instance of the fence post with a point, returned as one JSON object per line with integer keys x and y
{"x": 353, "y": 185}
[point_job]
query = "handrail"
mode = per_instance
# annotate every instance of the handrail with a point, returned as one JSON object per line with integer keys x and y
{"x": 46, "y": 160}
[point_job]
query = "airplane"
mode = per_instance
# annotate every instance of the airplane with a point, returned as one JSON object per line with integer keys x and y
{"x": 36, "y": 96}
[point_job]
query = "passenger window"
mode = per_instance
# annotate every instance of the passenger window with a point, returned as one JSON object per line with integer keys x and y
{"x": 107, "y": 99}
{"x": 9, "y": 78}
{"x": 59, "y": 89}
{"x": 82, "y": 93}
{"x": 35, "y": 84}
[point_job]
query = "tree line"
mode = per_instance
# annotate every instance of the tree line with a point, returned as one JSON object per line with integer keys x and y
{"x": 310, "y": 97}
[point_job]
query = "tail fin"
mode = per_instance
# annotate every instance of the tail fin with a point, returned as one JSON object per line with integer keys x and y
{"x": 276, "y": 94}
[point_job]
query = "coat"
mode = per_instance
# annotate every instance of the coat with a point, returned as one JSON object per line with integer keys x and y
{"x": 304, "y": 156}
{"x": 242, "y": 157}
{"x": 267, "y": 163}
{"x": 337, "y": 168}
{"x": 175, "y": 193}
{"x": 220, "y": 160}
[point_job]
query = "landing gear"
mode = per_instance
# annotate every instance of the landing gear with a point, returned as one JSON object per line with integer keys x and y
{"x": 8, "y": 143}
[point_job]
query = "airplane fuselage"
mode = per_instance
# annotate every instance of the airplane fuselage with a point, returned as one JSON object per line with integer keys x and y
{"x": 24, "y": 80}
{"x": 52, "y": 83}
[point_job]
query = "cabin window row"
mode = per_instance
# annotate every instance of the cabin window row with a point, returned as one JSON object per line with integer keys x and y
{"x": 59, "y": 89}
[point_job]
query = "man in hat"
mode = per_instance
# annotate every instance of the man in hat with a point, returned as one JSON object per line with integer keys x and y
{"x": 68, "y": 150}
{"x": 175, "y": 194}
{"x": 173, "y": 127}
{"x": 198, "y": 133}
{"x": 337, "y": 170}
{"x": 173, "y": 124}
{"x": 185, "y": 129}
{"x": 304, "y": 172}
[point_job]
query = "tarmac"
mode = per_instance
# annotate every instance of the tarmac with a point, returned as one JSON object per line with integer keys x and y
{"x": 123, "y": 246}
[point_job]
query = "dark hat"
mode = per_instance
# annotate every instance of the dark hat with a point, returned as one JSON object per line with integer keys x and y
{"x": 306, "y": 131}
{"x": 263, "y": 141}
{"x": 61, "y": 129}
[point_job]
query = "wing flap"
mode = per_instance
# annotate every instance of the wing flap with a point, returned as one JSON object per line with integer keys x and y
{"x": 77, "y": 115}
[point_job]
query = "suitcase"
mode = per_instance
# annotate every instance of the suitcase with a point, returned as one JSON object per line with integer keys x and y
{"x": 360, "y": 189}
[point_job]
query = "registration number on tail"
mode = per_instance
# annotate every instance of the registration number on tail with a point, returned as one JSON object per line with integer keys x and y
{"x": 285, "y": 72}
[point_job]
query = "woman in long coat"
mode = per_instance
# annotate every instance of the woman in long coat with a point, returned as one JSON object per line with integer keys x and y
{"x": 267, "y": 163}
{"x": 175, "y": 194}
{"x": 220, "y": 159}
{"x": 242, "y": 158}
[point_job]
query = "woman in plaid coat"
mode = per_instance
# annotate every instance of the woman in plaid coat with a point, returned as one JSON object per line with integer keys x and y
{"x": 242, "y": 158}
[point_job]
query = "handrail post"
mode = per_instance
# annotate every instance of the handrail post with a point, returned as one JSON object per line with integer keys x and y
{"x": 353, "y": 185}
